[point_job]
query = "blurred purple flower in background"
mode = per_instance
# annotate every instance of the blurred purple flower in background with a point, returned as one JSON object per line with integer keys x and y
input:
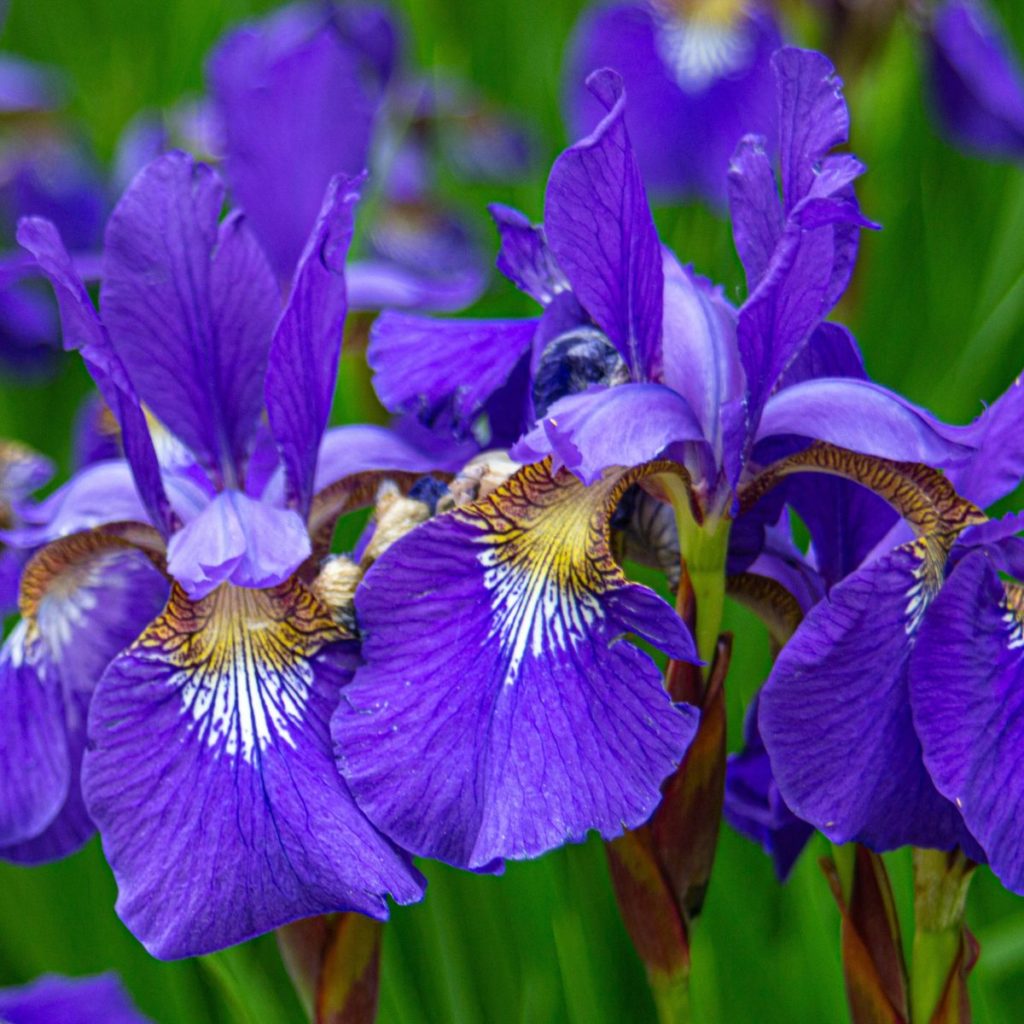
{"x": 55, "y": 1000}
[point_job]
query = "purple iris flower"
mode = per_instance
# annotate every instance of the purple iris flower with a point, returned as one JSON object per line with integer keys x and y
{"x": 976, "y": 81}
{"x": 55, "y": 1000}
{"x": 698, "y": 77}
{"x": 528, "y": 720}
{"x": 312, "y": 79}
{"x": 209, "y": 771}
{"x": 22, "y": 471}
{"x": 888, "y": 717}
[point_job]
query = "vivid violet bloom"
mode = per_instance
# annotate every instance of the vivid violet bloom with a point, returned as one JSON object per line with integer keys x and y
{"x": 55, "y": 1000}
{"x": 311, "y": 80}
{"x": 976, "y": 81}
{"x": 209, "y": 770}
{"x": 698, "y": 78}
{"x": 634, "y": 359}
{"x": 22, "y": 471}
{"x": 877, "y": 715}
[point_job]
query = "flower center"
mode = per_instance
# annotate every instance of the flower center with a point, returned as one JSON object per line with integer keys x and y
{"x": 701, "y": 41}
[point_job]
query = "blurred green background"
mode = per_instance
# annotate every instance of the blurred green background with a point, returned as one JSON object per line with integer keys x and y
{"x": 938, "y": 306}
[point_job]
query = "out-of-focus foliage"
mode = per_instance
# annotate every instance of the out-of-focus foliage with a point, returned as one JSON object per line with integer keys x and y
{"x": 938, "y": 307}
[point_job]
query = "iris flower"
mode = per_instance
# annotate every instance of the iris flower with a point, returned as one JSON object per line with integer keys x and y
{"x": 527, "y": 720}
{"x": 698, "y": 77}
{"x": 22, "y": 471}
{"x": 315, "y": 80}
{"x": 51, "y": 999}
{"x": 208, "y": 770}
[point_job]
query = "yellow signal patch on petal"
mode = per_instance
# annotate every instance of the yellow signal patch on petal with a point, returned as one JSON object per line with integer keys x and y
{"x": 240, "y": 661}
{"x": 547, "y": 555}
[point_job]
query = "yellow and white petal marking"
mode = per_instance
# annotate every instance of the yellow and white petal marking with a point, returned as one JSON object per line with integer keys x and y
{"x": 701, "y": 41}
{"x": 239, "y": 659}
{"x": 547, "y": 556}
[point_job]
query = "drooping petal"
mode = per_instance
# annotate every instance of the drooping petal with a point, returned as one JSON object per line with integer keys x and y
{"x": 35, "y": 769}
{"x": 600, "y": 230}
{"x": 83, "y": 600}
{"x": 190, "y": 306}
{"x": 754, "y": 806}
{"x": 835, "y": 713}
{"x": 600, "y": 428}
{"x": 500, "y": 711}
{"x": 695, "y": 88}
{"x": 211, "y": 780}
{"x": 84, "y": 333}
{"x": 237, "y": 540}
{"x": 297, "y": 83}
{"x": 977, "y": 85}
{"x": 54, "y": 1000}
{"x": 307, "y": 342}
{"x": 864, "y": 417}
{"x": 430, "y": 366}
{"x": 966, "y": 687}
{"x": 524, "y": 257}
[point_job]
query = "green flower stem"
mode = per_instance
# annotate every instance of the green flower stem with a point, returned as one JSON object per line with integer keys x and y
{"x": 672, "y": 998}
{"x": 941, "y": 881}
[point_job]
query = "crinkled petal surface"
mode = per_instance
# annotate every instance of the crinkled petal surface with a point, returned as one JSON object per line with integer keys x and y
{"x": 238, "y": 540}
{"x": 190, "y": 305}
{"x": 501, "y": 711}
{"x": 211, "y": 779}
{"x": 56, "y": 1000}
{"x": 600, "y": 230}
{"x": 967, "y": 688}
{"x": 835, "y": 712}
{"x": 600, "y": 428}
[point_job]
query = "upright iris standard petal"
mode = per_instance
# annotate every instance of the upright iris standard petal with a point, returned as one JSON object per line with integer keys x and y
{"x": 524, "y": 257}
{"x": 977, "y": 84}
{"x": 237, "y": 540}
{"x": 501, "y": 711}
{"x": 967, "y": 689}
{"x": 55, "y": 1000}
{"x": 413, "y": 358}
{"x": 698, "y": 81}
{"x": 190, "y": 305}
{"x": 307, "y": 342}
{"x": 835, "y": 712}
{"x": 600, "y": 231}
{"x": 84, "y": 332}
{"x": 605, "y": 427}
{"x": 211, "y": 779}
{"x": 298, "y": 97}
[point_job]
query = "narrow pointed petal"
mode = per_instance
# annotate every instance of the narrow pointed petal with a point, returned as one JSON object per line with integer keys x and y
{"x": 600, "y": 231}
{"x": 84, "y": 333}
{"x": 190, "y": 306}
{"x": 240, "y": 541}
{"x": 864, "y": 417}
{"x": 967, "y": 688}
{"x": 433, "y": 367}
{"x": 524, "y": 257}
{"x": 501, "y": 711}
{"x": 211, "y": 778}
{"x": 754, "y": 207}
{"x": 601, "y": 428}
{"x": 307, "y": 342}
{"x": 55, "y": 1000}
{"x": 835, "y": 712}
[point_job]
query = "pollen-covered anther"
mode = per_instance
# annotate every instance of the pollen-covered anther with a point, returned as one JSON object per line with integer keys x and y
{"x": 335, "y": 587}
{"x": 395, "y": 516}
{"x": 478, "y": 479}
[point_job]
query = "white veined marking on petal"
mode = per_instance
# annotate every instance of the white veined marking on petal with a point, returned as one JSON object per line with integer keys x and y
{"x": 918, "y": 598}
{"x": 71, "y": 601}
{"x": 1014, "y": 624}
{"x": 698, "y": 53}
{"x": 15, "y": 646}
